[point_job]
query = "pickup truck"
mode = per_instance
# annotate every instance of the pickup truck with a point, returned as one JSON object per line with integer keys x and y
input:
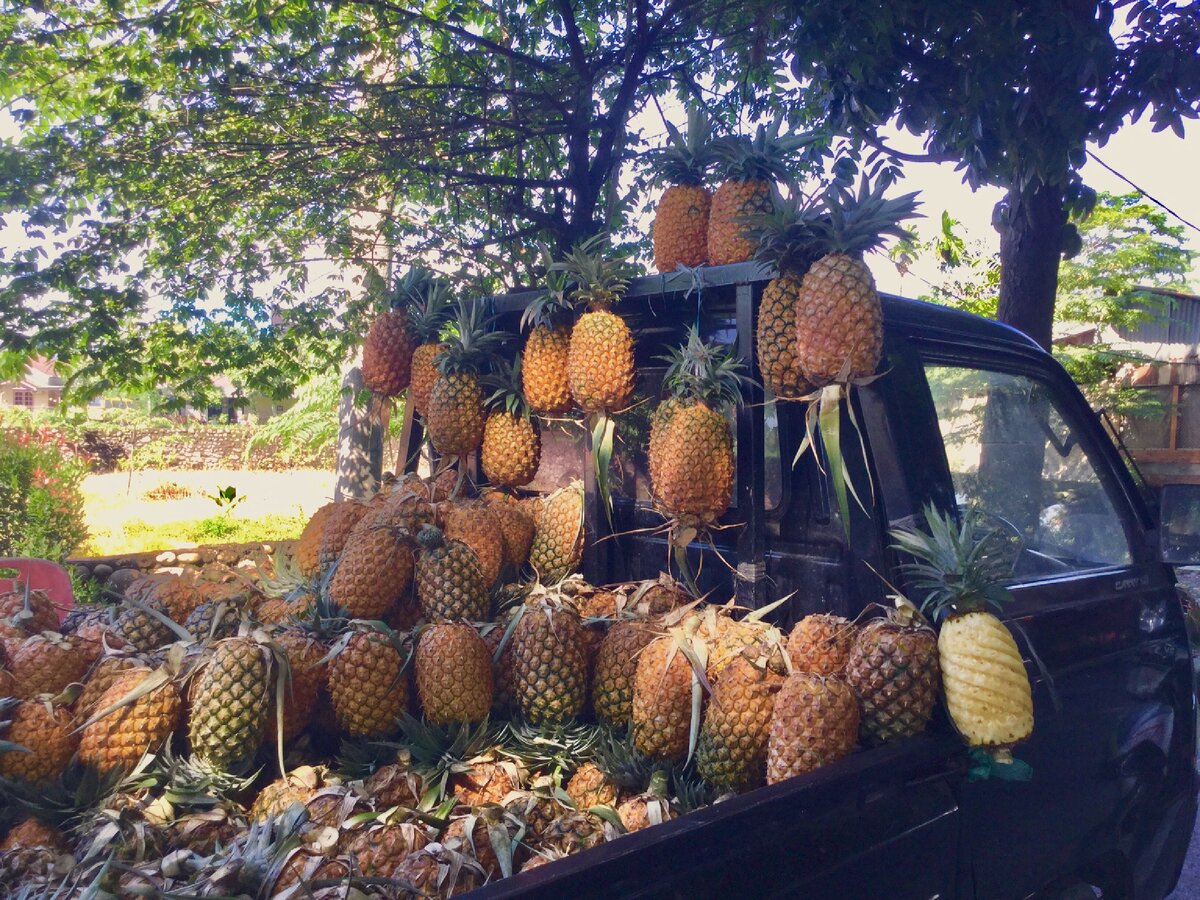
{"x": 966, "y": 412}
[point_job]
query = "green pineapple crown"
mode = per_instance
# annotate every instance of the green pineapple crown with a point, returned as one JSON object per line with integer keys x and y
{"x": 686, "y": 159}
{"x": 429, "y": 310}
{"x": 704, "y": 371}
{"x": 508, "y": 394}
{"x": 601, "y": 277}
{"x": 788, "y": 236}
{"x": 857, "y": 223}
{"x": 413, "y": 284}
{"x": 766, "y": 157}
{"x": 552, "y": 304}
{"x": 471, "y": 341}
{"x": 960, "y": 568}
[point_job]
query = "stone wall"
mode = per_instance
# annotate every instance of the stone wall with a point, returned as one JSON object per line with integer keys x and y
{"x": 210, "y": 562}
{"x": 200, "y": 447}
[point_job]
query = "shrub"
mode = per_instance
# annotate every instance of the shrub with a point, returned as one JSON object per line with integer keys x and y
{"x": 41, "y": 504}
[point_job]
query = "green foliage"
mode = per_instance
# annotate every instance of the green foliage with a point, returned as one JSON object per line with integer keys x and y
{"x": 969, "y": 273}
{"x": 41, "y": 506}
{"x": 187, "y": 173}
{"x": 137, "y": 536}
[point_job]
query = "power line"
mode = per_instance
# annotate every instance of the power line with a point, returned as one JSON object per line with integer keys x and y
{"x": 1144, "y": 193}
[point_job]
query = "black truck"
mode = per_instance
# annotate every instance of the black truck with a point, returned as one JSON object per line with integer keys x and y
{"x": 962, "y": 407}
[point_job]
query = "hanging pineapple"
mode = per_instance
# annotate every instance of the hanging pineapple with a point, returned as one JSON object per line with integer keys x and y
{"x": 785, "y": 241}
{"x": 750, "y": 169}
{"x": 960, "y": 575}
{"x": 544, "y": 359}
{"x": 428, "y": 311}
{"x": 691, "y": 443}
{"x": 388, "y": 348}
{"x": 839, "y": 319}
{"x": 600, "y": 363}
{"x": 455, "y": 415}
{"x": 512, "y": 439}
{"x": 681, "y": 217}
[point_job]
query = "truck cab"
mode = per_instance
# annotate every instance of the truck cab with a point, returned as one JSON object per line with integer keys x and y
{"x": 966, "y": 412}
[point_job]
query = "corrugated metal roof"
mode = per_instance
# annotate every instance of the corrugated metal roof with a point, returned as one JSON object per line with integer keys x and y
{"x": 1174, "y": 318}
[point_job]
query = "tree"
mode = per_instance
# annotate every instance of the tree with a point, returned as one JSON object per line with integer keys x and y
{"x": 1012, "y": 92}
{"x": 204, "y": 156}
{"x": 1127, "y": 244}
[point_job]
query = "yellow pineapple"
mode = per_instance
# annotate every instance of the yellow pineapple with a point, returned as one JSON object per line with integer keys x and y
{"x": 558, "y": 539}
{"x": 681, "y": 217}
{"x": 454, "y": 673}
{"x": 814, "y": 723}
{"x": 374, "y": 572}
{"x": 478, "y": 526}
{"x": 732, "y": 750}
{"x": 512, "y": 439}
{"x": 959, "y": 574}
{"x": 549, "y": 660}
{"x": 42, "y": 729}
{"x": 388, "y": 348}
{"x": 662, "y": 699}
{"x": 821, "y": 643}
{"x": 136, "y": 715}
{"x": 450, "y": 580}
{"x": 428, "y": 311}
{"x": 367, "y": 684}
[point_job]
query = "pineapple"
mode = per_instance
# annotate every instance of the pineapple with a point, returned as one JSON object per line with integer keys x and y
{"x": 308, "y": 546}
{"x": 487, "y": 836}
{"x": 24, "y": 611}
{"x": 600, "y": 363}
{"x": 367, "y": 684}
{"x": 374, "y": 572}
{"x": 450, "y": 581}
{"x": 388, "y": 348}
{"x": 558, "y": 540}
{"x": 815, "y": 722}
{"x": 229, "y": 704}
{"x": 749, "y": 169}
{"x": 338, "y": 526}
{"x": 681, "y": 217}
{"x": 307, "y": 679}
{"x": 455, "y": 416}
{"x": 615, "y": 669}
{"x": 101, "y": 677}
{"x": 512, "y": 440}
{"x": 821, "y": 643}
{"x": 785, "y": 240}
{"x": 477, "y": 526}
{"x": 651, "y": 807}
{"x": 516, "y": 530}
{"x": 662, "y": 699}
{"x": 549, "y": 660}
{"x": 213, "y": 620}
{"x": 136, "y": 716}
{"x": 731, "y": 753}
{"x": 297, "y": 786}
{"x": 893, "y": 668}
{"x": 544, "y": 358}
{"x": 378, "y": 850}
{"x": 42, "y": 727}
{"x": 141, "y": 629}
{"x": 177, "y": 597}
{"x": 437, "y": 870}
{"x": 692, "y": 451}
{"x": 454, "y": 673}
{"x": 590, "y": 786}
{"x": 839, "y": 321}
{"x": 46, "y": 663}
{"x": 500, "y": 651}
{"x": 428, "y": 311}
{"x": 960, "y": 574}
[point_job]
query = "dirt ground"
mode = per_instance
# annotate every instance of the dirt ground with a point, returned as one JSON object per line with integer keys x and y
{"x": 112, "y": 499}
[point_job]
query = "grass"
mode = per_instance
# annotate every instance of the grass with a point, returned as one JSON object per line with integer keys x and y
{"x": 139, "y": 536}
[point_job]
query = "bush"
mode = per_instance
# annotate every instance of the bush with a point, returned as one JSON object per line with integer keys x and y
{"x": 41, "y": 504}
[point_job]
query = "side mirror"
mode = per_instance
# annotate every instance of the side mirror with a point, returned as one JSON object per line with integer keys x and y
{"x": 1179, "y": 524}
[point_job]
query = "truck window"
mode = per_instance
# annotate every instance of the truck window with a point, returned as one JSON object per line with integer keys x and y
{"x": 1016, "y": 457}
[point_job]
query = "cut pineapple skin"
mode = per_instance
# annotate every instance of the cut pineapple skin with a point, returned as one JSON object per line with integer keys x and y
{"x": 987, "y": 690}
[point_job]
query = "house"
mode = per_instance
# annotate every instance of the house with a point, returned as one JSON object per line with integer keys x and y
{"x": 1165, "y": 442}
{"x": 39, "y": 388}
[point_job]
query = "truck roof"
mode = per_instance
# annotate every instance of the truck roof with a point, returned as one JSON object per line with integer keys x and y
{"x": 899, "y": 312}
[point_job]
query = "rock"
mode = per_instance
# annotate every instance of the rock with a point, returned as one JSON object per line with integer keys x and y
{"x": 123, "y": 578}
{"x": 188, "y": 558}
{"x": 169, "y": 570}
{"x": 101, "y": 572}
{"x": 228, "y": 557}
{"x": 166, "y": 558}
{"x": 268, "y": 549}
{"x": 247, "y": 564}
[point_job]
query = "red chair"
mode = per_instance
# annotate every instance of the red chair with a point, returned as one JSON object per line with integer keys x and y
{"x": 41, "y": 575}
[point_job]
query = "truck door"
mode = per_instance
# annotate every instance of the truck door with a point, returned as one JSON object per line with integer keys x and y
{"x": 1094, "y": 613}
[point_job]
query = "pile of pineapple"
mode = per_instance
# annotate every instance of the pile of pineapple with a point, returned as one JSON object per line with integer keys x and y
{"x": 394, "y": 713}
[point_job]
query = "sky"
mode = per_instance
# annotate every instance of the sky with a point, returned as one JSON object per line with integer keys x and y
{"x": 1160, "y": 163}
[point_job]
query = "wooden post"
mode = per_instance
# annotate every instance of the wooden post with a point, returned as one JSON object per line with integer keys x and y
{"x": 751, "y": 584}
{"x": 357, "y": 472}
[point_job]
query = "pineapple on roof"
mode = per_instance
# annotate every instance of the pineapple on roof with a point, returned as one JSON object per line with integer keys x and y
{"x": 681, "y": 217}
{"x": 750, "y": 169}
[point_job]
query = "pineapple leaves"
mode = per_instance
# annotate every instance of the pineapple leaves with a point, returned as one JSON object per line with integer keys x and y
{"x": 603, "y": 427}
{"x": 823, "y": 423}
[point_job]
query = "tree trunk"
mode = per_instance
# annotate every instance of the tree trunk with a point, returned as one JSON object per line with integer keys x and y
{"x": 1030, "y": 248}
